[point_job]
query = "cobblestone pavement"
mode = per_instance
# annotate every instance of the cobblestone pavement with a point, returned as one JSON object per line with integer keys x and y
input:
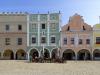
{"x": 13, "y": 67}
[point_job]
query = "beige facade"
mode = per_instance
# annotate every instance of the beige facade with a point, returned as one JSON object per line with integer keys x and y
{"x": 76, "y": 39}
{"x": 12, "y": 27}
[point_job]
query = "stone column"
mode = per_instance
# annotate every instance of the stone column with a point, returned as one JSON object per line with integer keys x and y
{"x": 92, "y": 55}
{"x": 14, "y": 55}
{"x": 28, "y": 56}
{"x": 39, "y": 54}
{"x": 1, "y": 55}
{"x": 76, "y": 56}
{"x": 61, "y": 54}
{"x": 50, "y": 55}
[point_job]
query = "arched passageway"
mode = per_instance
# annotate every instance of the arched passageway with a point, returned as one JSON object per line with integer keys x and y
{"x": 8, "y": 54}
{"x": 20, "y": 54}
{"x": 68, "y": 54}
{"x": 0, "y": 54}
{"x": 96, "y": 54}
{"x": 54, "y": 53}
{"x": 45, "y": 54}
{"x": 34, "y": 53}
{"x": 84, "y": 55}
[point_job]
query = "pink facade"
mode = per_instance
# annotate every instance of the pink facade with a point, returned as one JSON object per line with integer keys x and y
{"x": 76, "y": 38}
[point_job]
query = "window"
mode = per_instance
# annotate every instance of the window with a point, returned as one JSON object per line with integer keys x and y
{"x": 7, "y": 28}
{"x": 19, "y": 41}
{"x": 72, "y": 40}
{"x": 33, "y": 40}
{"x": 54, "y": 16}
{"x": 7, "y": 41}
{"x": 33, "y": 17}
{"x": 19, "y": 27}
{"x": 43, "y": 17}
{"x": 87, "y": 41}
{"x": 43, "y": 40}
{"x": 43, "y": 26}
{"x": 52, "y": 39}
{"x": 84, "y": 28}
{"x": 34, "y": 26}
{"x": 68, "y": 28}
{"x": 80, "y": 41}
{"x": 97, "y": 40}
{"x": 65, "y": 41}
{"x": 53, "y": 26}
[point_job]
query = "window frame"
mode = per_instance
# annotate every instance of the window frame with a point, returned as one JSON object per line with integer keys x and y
{"x": 53, "y": 41}
{"x": 80, "y": 41}
{"x": 65, "y": 41}
{"x": 87, "y": 41}
{"x": 53, "y": 26}
{"x": 33, "y": 42}
{"x": 7, "y": 41}
{"x": 43, "y": 41}
{"x": 19, "y": 41}
{"x": 43, "y": 24}
{"x": 19, "y": 27}
{"x": 72, "y": 41}
{"x": 34, "y": 25}
{"x": 7, "y": 27}
{"x": 97, "y": 42}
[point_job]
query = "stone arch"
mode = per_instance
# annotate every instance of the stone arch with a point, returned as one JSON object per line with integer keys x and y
{"x": 34, "y": 53}
{"x": 84, "y": 54}
{"x": 54, "y": 53}
{"x": 8, "y": 54}
{"x": 45, "y": 53}
{"x": 0, "y": 54}
{"x": 68, "y": 54}
{"x": 20, "y": 54}
{"x": 96, "y": 54}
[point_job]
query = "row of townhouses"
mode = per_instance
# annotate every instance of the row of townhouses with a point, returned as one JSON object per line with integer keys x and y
{"x": 24, "y": 35}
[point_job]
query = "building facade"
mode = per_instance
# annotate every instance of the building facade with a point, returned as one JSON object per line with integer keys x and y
{"x": 43, "y": 35}
{"x": 24, "y": 35}
{"x": 76, "y": 39}
{"x": 96, "y": 42}
{"x": 13, "y": 35}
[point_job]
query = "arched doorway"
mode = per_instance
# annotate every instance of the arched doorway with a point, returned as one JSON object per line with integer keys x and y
{"x": 0, "y": 55}
{"x": 96, "y": 54}
{"x": 20, "y": 54}
{"x": 45, "y": 53}
{"x": 8, "y": 54}
{"x": 68, "y": 54}
{"x": 54, "y": 53}
{"x": 34, "y": 53}
{"x": 84, "y": 55}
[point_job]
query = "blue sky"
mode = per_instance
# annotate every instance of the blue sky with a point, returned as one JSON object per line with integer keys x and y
{"x": 89, "y": 9}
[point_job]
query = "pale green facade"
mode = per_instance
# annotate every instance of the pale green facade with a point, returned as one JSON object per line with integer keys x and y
{"x": 52, "y": 28}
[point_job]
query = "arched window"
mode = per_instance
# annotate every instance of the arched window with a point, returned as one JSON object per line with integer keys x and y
{"x": 84, "y": 28}
{"x": 68, "y": 28}
{"x": 65, "y": 41}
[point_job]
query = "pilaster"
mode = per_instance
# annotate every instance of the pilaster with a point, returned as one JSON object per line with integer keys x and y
{"x": 38, "y": 29}
{"x": 48, "y": 28}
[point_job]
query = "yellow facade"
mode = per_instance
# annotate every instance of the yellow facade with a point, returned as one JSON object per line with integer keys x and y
{"x": 96, "y": 33}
